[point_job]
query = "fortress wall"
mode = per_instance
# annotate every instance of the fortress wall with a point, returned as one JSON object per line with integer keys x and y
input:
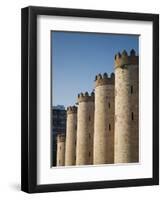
{"x": 134, "y": 74}
{"x": 104, "y": 129}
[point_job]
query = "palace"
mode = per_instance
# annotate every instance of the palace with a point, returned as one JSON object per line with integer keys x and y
{"x": 103, "y": 127}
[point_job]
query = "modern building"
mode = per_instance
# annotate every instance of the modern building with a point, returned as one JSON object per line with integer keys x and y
{"x": 58, "y": 124}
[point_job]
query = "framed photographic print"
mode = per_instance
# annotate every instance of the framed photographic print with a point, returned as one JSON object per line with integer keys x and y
{"x": 90, "y": 99}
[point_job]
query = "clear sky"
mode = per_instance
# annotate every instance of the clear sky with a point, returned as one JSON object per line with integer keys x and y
{"x": 78, "y": 57}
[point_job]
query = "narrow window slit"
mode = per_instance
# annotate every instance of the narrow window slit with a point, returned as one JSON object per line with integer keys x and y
{"x": 109, "y": 127}
{"x": 131, "y": 89}
{"x": 132, "y": 116}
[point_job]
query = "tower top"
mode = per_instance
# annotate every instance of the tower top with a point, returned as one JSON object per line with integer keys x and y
{"x": 104, "y": 79}
{"x": 122, "y": 59}
{"x": 85, "y": 97}
{"x": 61, "y": 137}
{"x": 71, "y": 109}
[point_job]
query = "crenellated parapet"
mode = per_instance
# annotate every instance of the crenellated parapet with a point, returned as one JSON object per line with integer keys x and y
{"x": 61, "y": 137}
{"x": 85, "y": 97}
{"x": 123, "y": 59}
{"x": 104, "y": 79}
{"x": 71, "y": 109}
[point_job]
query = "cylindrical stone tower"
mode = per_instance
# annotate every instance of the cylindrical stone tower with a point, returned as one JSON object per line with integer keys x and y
{"x": 70, "y": 154}
{"x": 104, "y": 120}
{"x": 60, "y": 149}
{"x": 85, "y": 129}
{"x": 123, "y": 108}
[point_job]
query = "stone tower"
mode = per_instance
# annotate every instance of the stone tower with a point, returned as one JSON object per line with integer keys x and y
{"x": 126, "y": 139}
{"x": 70, "y": 153}
{"x": 60, "y": 149}
{"x": 85, "y": 129}
{"x": 104, "y": 119}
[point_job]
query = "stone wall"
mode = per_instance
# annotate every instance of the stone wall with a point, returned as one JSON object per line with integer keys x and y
{"x": 134, "y": 90}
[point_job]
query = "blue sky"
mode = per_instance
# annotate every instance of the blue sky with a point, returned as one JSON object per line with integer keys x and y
{"x": 78, "y": 57}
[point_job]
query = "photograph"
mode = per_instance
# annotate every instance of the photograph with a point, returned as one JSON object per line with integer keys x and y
{"x": 94, "y": 99}
{"x": 90, "y": 99}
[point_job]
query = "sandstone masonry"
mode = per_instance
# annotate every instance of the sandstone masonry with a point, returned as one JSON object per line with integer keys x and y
{"x": 104, "y": 119}
{"x": 85, "y": 129}
{"x": 70, "y": 154}
{"x": 104, "y": 128}
{"x": 61, "y": 150}
{"x": 126, "y": 108}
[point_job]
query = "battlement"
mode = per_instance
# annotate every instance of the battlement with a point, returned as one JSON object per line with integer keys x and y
{"x": 85, "y": 97}
{"x": 71, "y": 109}
{"x": 61, "y": 137}
{"x": 104, "y": 79}
{"x": 122, "y": 59}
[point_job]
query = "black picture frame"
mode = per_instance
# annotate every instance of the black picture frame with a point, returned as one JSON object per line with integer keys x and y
{"x": 29, "y": 99}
